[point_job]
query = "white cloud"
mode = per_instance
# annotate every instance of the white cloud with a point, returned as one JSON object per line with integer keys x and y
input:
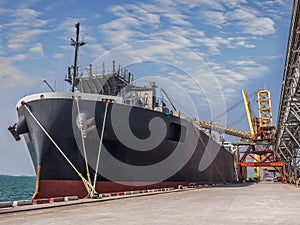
{"x": 58, "y": 56}
{"x": 240, "y": 75}
{"x": 244, "y": 63}
{"x": 119, "y": 37}
{"x": 145, "y": 13}
{"x": 22, "y": 18}
{"x": 128, "y": 26}
{"x": 241, "y": 14}
{"x": 142, "y": 13}
{"x": 215, "y": 43}
{"x": 171, "y": 36}
{"x": 260, "y": 26}
{"x": 54, "y": 4}
{"x": 21, "y": 27}
{"x": 15, "y": 46}
{"x": 233, "y": 3}
{"x": 177, "y": 19}
{"x": 244, "y": 44}
{"x": 214, "y": 18}
{"x": 68, "y": 26}
{"x": 269, "y": 3}
{"x": 244, "y": 71}
{"x": 11, "y": 76}
{"x": 251, "y": 22}
{"x": 19, "y": 57}
{"x": 174, "y": 21}
{"x": 19, "y": 39}
{"x": 95, "y": 49}
{"x": 272, "y": 57}
{"x": 213, "y": 4}
{"x": 38, "y": 49}
{"x": 248, "y": 20}
{"x": 121, "y": 24}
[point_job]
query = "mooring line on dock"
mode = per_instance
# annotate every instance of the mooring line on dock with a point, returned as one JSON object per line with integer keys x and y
{"x": 90, "y": 189}
{"x": 82, "y": 140}
{"x": 100, "y": 145}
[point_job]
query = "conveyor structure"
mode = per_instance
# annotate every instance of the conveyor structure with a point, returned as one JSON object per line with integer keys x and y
{"x": 288, "y": 123}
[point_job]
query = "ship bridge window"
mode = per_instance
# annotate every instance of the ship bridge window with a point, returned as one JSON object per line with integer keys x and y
{"x": 175, "y": 131}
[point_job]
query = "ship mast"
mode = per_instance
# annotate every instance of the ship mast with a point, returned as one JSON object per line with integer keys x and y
{"x": 76, "y": 44}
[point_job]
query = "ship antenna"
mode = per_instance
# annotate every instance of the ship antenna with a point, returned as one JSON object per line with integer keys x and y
{"x": 76, "y": 44}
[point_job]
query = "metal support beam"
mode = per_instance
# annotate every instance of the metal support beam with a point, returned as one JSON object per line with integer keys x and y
{"x": 290, "y": 133}
{"x": 287, "y": 148}
{"x": 295, "y": 169}
{"x": 295, "y": 114}
{"x": 261, "y": 164}
{"x": 283, "y": 154}
{"x": 289, "y": 112}
{"x": 289, "y": 170}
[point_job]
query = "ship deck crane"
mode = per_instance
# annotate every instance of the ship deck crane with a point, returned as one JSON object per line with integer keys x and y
{"x": 168, "y": 99}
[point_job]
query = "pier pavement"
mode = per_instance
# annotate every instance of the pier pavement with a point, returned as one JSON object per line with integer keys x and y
{"x": 250, "y": 203}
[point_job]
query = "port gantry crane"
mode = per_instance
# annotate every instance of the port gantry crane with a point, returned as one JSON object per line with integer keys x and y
{"x": 260, "y": 139}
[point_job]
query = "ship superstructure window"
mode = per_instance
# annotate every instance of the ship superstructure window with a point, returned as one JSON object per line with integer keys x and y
{"x": 175, "y": 131}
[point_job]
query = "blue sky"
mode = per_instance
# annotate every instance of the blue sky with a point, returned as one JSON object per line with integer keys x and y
{"x": 220, "y": 45}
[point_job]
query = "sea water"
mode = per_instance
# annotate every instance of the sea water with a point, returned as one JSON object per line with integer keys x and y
{"x": 14, "y": 188}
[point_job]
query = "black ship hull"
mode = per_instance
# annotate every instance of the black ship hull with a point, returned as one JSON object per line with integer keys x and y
{"x": 140, "y": 148}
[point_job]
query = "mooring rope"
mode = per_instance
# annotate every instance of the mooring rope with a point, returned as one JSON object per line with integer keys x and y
{"x": 100, "y": 144}
{"x": 83, "y": 143}
{"x": 90, "y": 189}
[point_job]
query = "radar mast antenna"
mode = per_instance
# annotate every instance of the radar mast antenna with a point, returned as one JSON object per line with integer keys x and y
{"x": 76, "y": 44}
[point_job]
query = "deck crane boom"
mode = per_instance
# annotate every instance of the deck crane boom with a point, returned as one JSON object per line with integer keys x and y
{"x": 168, "y": 99}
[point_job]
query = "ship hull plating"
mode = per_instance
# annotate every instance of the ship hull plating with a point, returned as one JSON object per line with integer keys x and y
{"x": 140, "y": 148}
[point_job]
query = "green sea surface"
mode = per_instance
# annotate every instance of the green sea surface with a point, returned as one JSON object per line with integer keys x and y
{"x": 15, "y": 188}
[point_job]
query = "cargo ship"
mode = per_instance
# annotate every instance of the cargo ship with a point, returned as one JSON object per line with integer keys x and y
{"x": 109, "y": 135}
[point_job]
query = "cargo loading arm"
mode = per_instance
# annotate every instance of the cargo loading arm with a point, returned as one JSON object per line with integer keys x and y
{"x": 214, "y": 126}
{"x": 223, "y": 129}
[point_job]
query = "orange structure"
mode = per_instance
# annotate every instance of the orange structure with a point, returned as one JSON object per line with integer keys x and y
{"x": 260, "y": 148}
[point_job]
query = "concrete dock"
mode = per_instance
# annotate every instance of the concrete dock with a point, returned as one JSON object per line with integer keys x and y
{"x": 263, "y": 203}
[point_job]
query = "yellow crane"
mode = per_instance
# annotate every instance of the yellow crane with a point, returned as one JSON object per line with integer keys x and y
{"x": 252, "y": 131}
{"x": 248, "y": 112}
{"x": 260, "y": 138}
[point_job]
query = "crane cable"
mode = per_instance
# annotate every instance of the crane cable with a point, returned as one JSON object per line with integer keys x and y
{"x": 90, "y": 189}
{"x": 237, "y": 121}
{"x": 234, "y": 105}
